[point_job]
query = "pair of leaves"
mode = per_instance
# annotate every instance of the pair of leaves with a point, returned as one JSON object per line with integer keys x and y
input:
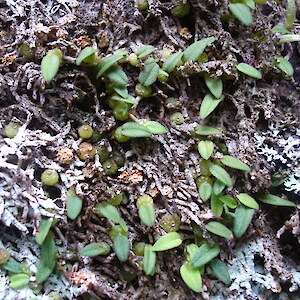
{"x": 48, "y": 260}
{"x": 95, "y": 249}
{"x": 50, "y": 64}
{"x": 73, "y": 204}
{"x": 192, "y": 52}
{"x": 110, "y": 212}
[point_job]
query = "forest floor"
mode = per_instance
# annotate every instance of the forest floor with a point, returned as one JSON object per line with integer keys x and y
{"x": 258, "y": 121}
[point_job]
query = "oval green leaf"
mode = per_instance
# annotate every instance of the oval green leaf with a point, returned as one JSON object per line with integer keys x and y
{"x": 205, "y": 190}
{"x": 144, "y": 51}
{"x": 149, "y": 260}
{"x": 155, "y": 127}
{"x": 133, "y": 129}
{"x": 73, "y": 204}
{"x": 220, "y": 174}
{"x": 242, "y": 218}
{"x": 149, "y": 74}
{"x": 248, "y": 201}
{"x": 220, "y": 270}
{"x": 274, "y": 200}
{"x": 84, "y": 54}
{"x": 208, "y": 105}
{"x": 219, "y": 229}
{"x": 196, "y": 49}
{"x": 242, "y": 13}
{"x": 204, "y": 254}
{"x": 206, "y": 149}
{"x": 214, "y": 85}
{"x": 17, "y": 281}
{"x": 105, "y": 63}
{"x": 117, "y": 75}
{"x": 284, "y": 65}
{"x": 216, "y": 205}
{"x": 207, "y": 130}
{"x": 218, "y": 187}
{"x": 121, "y": 247}
{"x": 95, "y": 249}
{"x": 235, "y": 163}
{"x": 249, "y": 70}
{"x": 109, "y": 211}
{"x": 147, "y": 214}
{"x": 191, "y": 276}
{"x": 171, "y": 62}
{"x": 44, "y": 229}
{"x": 167, "y": 241}
{"x": 229, "y": 201}
{"x": 50, "y": 65}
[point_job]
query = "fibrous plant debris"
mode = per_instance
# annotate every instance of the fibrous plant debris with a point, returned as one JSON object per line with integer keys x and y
{"x": 257, "y": 117}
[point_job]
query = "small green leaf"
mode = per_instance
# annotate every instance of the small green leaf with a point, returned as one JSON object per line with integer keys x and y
{"x": 85, "y": 54}
{"x": 147, "y": 214}
{"x": 229, "y": 201}
{"x": 95, "y": 249}
{"x": 191, "y": 276}
{"x": 133, "y": 129}
{"x": 216, "y": 205}
{"x": 48, "y": 259}
{"x": 248, "y": 201}
{"x": 218, "y": 187}
{"x": 207, "y": 130}
{"x": 206, "y": 149}
{"x": 219, "y": 229}
{"x": 242, "y": 218}
{"x": 149, "y": 74}
{"x": 242, "y": 13}
{"x": 171, "y": 62}
{"x": 284, "y": 65}
{"x": 117, "y": 75}
{"x": 149, "y": 260}
{"x": 280, "y": 29}
{"x": 208, "y": 105}
{"x": 205, "y": 190}
{"x": 220, "y": 270}
{"x": 108, "y": 211}
{"x": 191, "y": 249}
{"x": 220, "y": 174}
{"x": 73, "y": 204}
{"x": 14, "y": 266}
{"x": 214, "y": 85}
{"x": 121, "y": 247}
{"x": 50, "y": 64}
{"x": 204, "y": 254}
{"x": 121, "y": 90}
{"x": 44, "y": 229}
{"x": 235, "y": 163}
{"x": 144, "y": 51}
{"x": 274, "y": 200}
{"x": 196, "y": 49}
{"x": 250, "y": 3}
{"x": 249, "y": 70}
{"x": 17, "y": 281}
{"x": 129, "y": 99}
{"x": 155, "y": 127}
{"x": 167, "y": 241}
{"x": 105, "y": 63}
